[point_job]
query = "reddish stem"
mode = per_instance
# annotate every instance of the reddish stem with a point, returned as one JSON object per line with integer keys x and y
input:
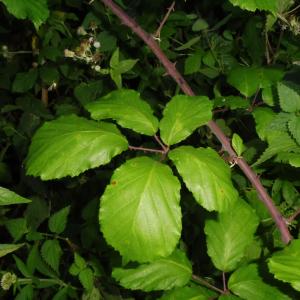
{"x": 226, "y": 144}
{"x": 146, "y": 149}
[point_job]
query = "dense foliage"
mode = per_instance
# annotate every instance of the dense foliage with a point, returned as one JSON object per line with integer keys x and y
{"x": 112, "y": 187}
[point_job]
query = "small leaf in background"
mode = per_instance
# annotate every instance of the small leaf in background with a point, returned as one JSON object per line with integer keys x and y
{"x": 87, "y": 92}
{"x": 192, "y": 63}
{"x": 25, "y": 81}
{"x": 57, "y": 222}
{"x": 200, "y": 24}
{"x": 49, "y": 75}
{"x": 237, "y": 144}
{"x": 16, "y": 227}
{"x": 127, "y": 109}
{"x": 162, "y": 274}
{"x": 8, "y": 197}
{"x": 8, "y": 248}
{"x": 294, "y": 127}
{"x": 140, "y": 215}
{"x": 35, "y": 10}
{"x": 86, "y": 278}
{"x": 79, "y": 261}
{"x": 36, "y": 213}
{"x": 289, "y": 99}
{"x": 51, "y": 253}
{"x": 246, "y": 283}
{"x": 253, "y": 5}
{"x": 182, "y": 115}
{"x": 206, "y": 175}
{"x": 71, "y": 145}
{"x": 26, "y": 293}
{"x": 228, "y": 237}
{"x": 285, "y": 264}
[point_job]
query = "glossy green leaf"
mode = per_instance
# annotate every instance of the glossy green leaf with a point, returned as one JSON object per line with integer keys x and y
{"x": 182, "y": 115}
{"x": 8, "y": 248}
{"x": 8, "y": 197}
{"x": 127, "y": 109}
{"x": 191, "y": 292}
{"x": 51, "y": 253}
{"x": 294, "y": 127}
{"x": 253, "y": 5}
{"x": 162, "y": 274}
{"x": 248, "y": 80}
{"x": 285, "y": 264}
{"x": 237, "y": 144}
{"x": 289, "y": 99}
{"x": 246, "y": 283}
{"x": 71, "y": 145}
{"x": 230, "y": 234}
{"x": 57, "y": 222}
{"x": 35, "y": 10}
{"x": 140, "y": 214}
{"x": 206, "y": 175}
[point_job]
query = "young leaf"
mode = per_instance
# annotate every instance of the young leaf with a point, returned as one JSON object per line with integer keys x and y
{"x": 57, "y": 222}
{"x": 253, "y": 5}
{"x": 237, "y": 144}
{"x": 189, "y": 293}
{"x": 51, "y": 253}
{"x": 182, "y": 115}
{"x": 8, "y": 248}
{"x": 35, "y": 10}
{"x": 206, "y": 175}
{"x": 140, "y": 214}
{"x": 127, "y": 109}
{"x": 228, "y": 237}
{"x": 294, "y": 127}
{"x": 8, "y": 197}
{"x": 289, "y": 99}
{"x": 86, "y": 278}
{"x": 71, "y": 145}
{"x": 246, "y": 283}
{"x": 162, "y": 274}
{"x": 285, "y": 264}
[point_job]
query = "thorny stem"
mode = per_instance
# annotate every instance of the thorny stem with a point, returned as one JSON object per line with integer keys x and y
{"x": 205, "y": 283}
{"x": 226, "y": 143}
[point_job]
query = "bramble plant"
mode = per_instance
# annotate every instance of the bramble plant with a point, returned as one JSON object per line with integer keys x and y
{"x": 150, "y": 156}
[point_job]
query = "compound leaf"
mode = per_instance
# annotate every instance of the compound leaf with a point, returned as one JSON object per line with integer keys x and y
{"x": 228, "y": 237}
{"x": 71, "y": 145}
{"x": 162, "y": 274}
{"x": 127, "y": 109}
{"x": 140, "y": 214}
{"x": 206, "y": 175}
{"x": 246, "y": 283}
{"x": 285, "y": 264}
{"x": 182, "y": 115}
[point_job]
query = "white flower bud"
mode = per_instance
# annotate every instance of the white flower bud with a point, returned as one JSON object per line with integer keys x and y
{"x": 97, "y": 68}
{"x": 97, "y": 44}
{"x": 81, "y": 31}
{"x": 69, "y": 53}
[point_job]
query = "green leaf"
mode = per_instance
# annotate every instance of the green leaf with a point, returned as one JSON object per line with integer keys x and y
{"x": 189, "y": 293}
{"x": 24, "y": 81}
{"x": 36, "y": 213}
{"x": 193, "y": 63}
{"x": 253, "y": 5}
{"x": 51, "y": 253}
{"x": 206, "y": 175}
{"x": 126, "y": 65}
{"x": 57, "y": 222}
{"x": 248, "y": 80}
{"x": 26, "y": 293}
{"x": 289, "y": 99}
{"x": 25, "y": 271}
{"x": 79, "y": 261}
{"x": 16, "y": 227}
{"x": 228, "y": 237}
{"x": 127, "y": 109}
{"x": 246, "y": 283}
{"x": 71, "y": 145}
{"x": 294, "y": 127}
{"x": 86, "y": 278}
{"x": 88, "y": 92}
{"x": 49, "y": 75}
{"x": 182, "y": 115}
{"x": 140, "y": 214}
{"x": 237, "y": 144}
{"x": 285, "y": 264}
{"x": 199, "y": 25}
{"x": 8, "y": 197}
{"x": 162, "y": 274}
{"x": 116, "y": 77}
{"x": 35, "y": 10}
{"x": 8, "y": 248}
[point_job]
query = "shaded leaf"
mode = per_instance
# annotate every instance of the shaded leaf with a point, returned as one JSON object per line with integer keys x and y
{"x": 86, "y": 278}
{"x": 143, "y": 197}
{"x": 162, "y": 274}
{"x": 206, "y": 175}
{"x": 8, "y": 248}
{"x": 57, "y": 222}
{"x": 246, "y": 283}
{"x": 127, "y": 109}
{"x": 51, "y": 253}
{"x": 182, "y": 115}
{"x": 71, "y": 145}
{"x": 24, "y": 81}
{"x": 228, "y": 237}
{"x": 8, "y": 197}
